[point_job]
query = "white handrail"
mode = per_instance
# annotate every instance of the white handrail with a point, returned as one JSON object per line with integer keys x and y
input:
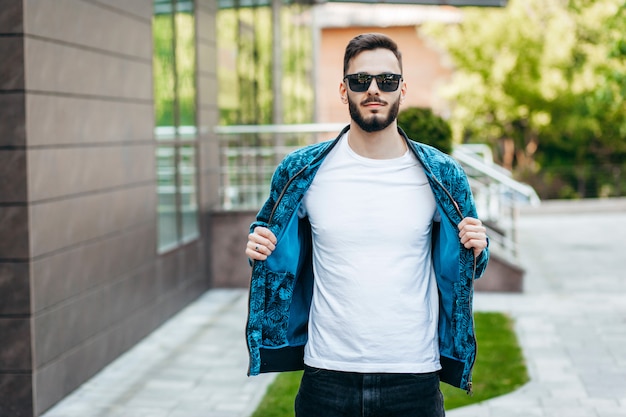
{"x": 284, "y": 128}
{"x": 497, "y": 193}
{"x": 495, "y": 174}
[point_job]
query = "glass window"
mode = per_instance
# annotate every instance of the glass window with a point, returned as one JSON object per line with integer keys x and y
{"x": 166, "y": 185}
{"x": 188, "y": 198}
{"x": 175, "y": 118}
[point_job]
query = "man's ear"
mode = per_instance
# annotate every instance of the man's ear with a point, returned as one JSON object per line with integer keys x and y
{"x": 343, "y": 93}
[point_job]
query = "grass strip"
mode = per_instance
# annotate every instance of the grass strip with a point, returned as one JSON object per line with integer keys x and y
{"x": 499, "y": 369}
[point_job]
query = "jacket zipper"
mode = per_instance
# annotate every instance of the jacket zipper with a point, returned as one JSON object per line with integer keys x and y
{"x": 470, "y": 387}
{"x": 276, "y": 204}
{"x": 284, "y": 190}
{"x": 269, "y": 221}
{"x": 304, "y": 168}
{"x": 469, "y": 390}
{"x": 445, "y": 190}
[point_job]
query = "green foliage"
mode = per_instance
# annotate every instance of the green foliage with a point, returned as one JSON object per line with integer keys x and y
{"x": 245, "y": 65}
{"x": 174, "y": 72}
{"x": 163, "y": 68}
{"x": 422, "y": 125}
{"x": 499, "y": 369}
{"x": 543, "y": 82}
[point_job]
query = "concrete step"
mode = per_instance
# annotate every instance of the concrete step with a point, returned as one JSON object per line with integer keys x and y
{"x": 502, "y": 275}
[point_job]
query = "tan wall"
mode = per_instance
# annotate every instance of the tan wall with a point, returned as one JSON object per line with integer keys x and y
{"x": 424, "y": 70}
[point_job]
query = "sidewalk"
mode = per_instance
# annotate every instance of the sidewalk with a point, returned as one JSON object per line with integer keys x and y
{"x": 571, "y": 318}
{"x": 571, "y": 323}
{"x": 194, "y": 365}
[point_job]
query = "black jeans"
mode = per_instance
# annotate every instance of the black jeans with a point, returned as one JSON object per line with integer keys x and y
{"x": 326, "y": 393}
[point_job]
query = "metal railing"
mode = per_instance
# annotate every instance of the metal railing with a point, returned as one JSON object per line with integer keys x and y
{"x": 250, "y": 153}
{"x": 498, "y": 196}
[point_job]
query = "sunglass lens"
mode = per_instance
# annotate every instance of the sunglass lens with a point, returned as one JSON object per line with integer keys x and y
{"x": 360, "y": 83}
{"x": 388, "y": 83}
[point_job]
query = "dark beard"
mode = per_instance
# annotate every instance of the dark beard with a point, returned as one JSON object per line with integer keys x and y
{"x": 374, "y": 124}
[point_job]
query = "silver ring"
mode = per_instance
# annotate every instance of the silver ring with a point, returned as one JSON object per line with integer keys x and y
{"x": 256, "y": 248}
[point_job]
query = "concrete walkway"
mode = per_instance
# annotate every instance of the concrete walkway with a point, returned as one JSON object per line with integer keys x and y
{"x": 571, "y": 323}
{"x": 194, "y": 365}
{"x": 571, "y": 318}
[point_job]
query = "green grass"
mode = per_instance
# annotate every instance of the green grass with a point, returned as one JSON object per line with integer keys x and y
{"x": 499, "y": 369}
{"x": 278, "y": 402}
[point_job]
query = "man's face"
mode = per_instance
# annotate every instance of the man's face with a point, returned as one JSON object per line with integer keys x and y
{"x": 374, "y": 110}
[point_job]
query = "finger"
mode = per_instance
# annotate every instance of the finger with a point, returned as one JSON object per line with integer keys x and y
{"x": 478, "y": 245}
{"x": 257, "y": 251}
{"x": 474, "y": 231}
{"x": 469, "y": 225}
{"x": 258, "y": 247}
{"x": 266, "y": 233}
{"x": 475, "y": 237}
{"x": 257, "y": 256}
{"x": 257, "y": 239}
{"x": 467, "y": 236}
{"x": 475, "y": 243}
{"x": 468, "y": 220}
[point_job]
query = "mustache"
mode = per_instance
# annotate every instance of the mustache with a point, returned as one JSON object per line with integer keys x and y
{"x": 373, "y": 100}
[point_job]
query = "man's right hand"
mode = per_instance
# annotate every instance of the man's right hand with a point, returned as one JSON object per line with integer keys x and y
{"x": 261, "y": 243}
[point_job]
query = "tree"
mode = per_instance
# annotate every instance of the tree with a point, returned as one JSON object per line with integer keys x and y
{"x": 543, "y": 82}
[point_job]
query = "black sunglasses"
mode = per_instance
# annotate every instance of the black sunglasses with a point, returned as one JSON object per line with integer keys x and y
{"x": 359, "y": 83}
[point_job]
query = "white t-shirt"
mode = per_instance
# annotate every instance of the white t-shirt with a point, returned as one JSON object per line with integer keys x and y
{"x": 375, "y": 302}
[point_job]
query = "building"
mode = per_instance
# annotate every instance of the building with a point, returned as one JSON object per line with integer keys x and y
{"x": 425, "y": 68}
{"x": 90, "y": 260}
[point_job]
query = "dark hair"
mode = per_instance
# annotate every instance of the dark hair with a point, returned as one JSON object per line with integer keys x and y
{"x": 369, "y": 42}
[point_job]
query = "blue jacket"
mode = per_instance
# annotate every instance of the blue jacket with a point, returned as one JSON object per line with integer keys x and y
{"x": 281, "y": 286}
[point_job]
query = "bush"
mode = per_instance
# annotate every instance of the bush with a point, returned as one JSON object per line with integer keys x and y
{"x": 422, "y": 125}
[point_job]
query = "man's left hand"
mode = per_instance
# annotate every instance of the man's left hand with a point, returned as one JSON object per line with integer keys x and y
{"x": 473, "y": 234}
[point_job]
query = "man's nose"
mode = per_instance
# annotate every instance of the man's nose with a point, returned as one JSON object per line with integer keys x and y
{"x": 373, "y": 88}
